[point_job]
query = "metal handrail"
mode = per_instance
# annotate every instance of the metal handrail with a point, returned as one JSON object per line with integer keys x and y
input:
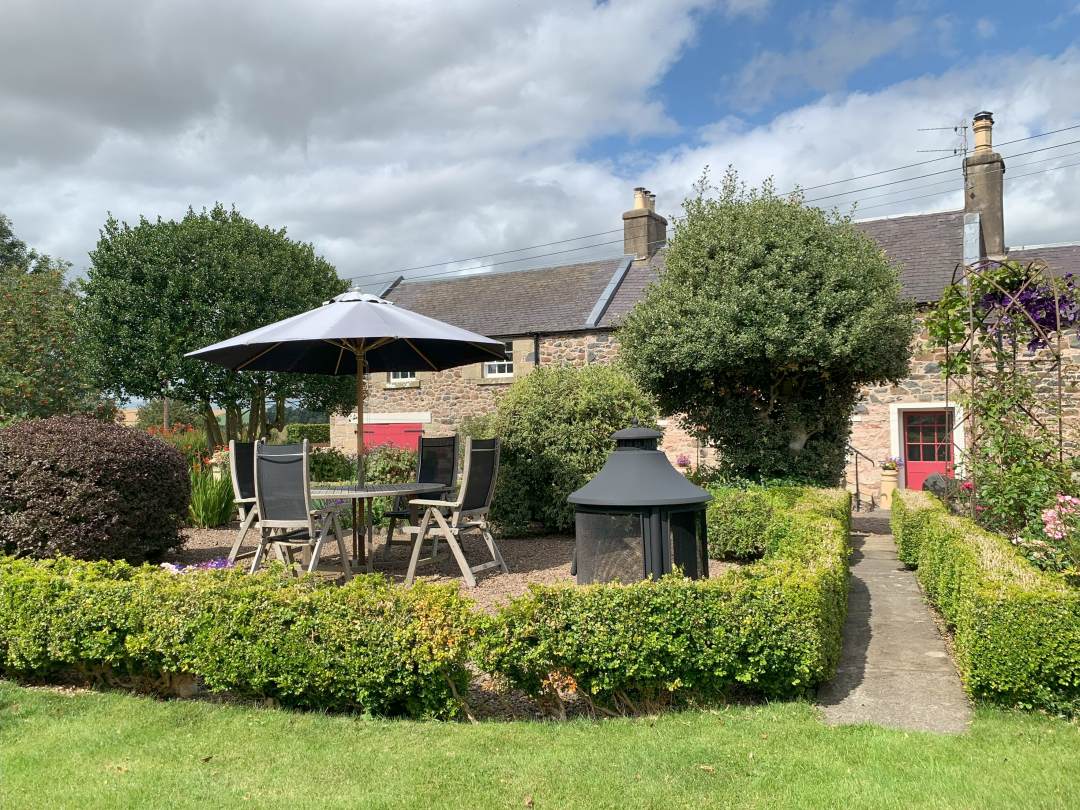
{"x": 858, "y": 491}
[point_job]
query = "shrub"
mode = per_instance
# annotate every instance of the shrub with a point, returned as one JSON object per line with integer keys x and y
{"x": 556, "y": 425}
{"x": 368, "y": 646}
{"x": 314, "y": 433}
{"x": 1017, "y": 629}
{"x": 769, "y": 319}
{"x": 330, "y": 464}
{"x": 738, "y": 519}
{"x": 772, "y": 629}
{"x": 211, "y": 499}
{"x": 190, "y": 441}
{"x": 89, "y": 489}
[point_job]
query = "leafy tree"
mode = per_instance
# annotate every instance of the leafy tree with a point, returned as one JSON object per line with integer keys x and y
{"x": 768, "y": 320}
{"x": 157, "y": 290}
{"x": 152, "y": 414}
{"x": 41, "y": 365}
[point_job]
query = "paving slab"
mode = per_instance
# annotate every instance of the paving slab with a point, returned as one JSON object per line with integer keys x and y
{"x": 894, "y": 670}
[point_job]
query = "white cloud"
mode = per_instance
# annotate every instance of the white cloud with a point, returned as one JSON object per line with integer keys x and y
{"x": 985, "y": 28}
{"x": 407, "y": 135}
{"x": 845, "y": 135}
{"x": 838, "y": 44}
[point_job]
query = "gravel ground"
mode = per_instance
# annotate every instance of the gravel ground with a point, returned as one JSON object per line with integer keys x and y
{"x": 531, "y": 560}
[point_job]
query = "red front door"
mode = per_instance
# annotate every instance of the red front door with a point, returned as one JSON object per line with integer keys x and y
{"x": 928, "y": 446}
{"x": 397, "y": 434}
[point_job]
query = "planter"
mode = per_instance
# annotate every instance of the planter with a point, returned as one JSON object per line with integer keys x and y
{"x": 888, "y": 487}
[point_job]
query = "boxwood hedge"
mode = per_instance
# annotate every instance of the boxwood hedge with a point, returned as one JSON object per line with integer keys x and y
{"x": 770, "y": 629}
{"x": 314, "y": 432}
{"x": 367, "y": 646}
{"x": 1017, "y": 629}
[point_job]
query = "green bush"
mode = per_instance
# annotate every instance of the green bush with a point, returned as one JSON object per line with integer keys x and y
{"x": 738, "y": 519}
{"x": 211, "y": 499}
{"x": 330, "y": 464}
{"x": 1017, "y": 629}
{"x": 189, "y": 441}
{"x": 556, "y": 425}
{"x": 771, "y": 629}
{"x": 368, "y": 646}
{"x": 89, "y": 489}
{"x": 314, "y": 433}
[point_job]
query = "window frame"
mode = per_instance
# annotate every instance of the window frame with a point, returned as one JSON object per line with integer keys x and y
{"x": 409, "y": 378}
{"x": 491, "y": 368}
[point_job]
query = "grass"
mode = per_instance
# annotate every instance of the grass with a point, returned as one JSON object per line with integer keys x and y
{"x": 87, "y": 750}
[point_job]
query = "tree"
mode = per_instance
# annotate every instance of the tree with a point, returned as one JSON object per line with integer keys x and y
{"x": 42, "y": 370}
{"x": 767, "y": 321}
{"x": 152, "y": 414}
{"x": 160, "y": 289}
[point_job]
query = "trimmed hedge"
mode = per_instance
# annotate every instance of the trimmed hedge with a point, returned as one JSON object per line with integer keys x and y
{"x": 771, "y": 629}
{"x": 314, "y": 432}
{"x": 738, "y": 519}
{"x": 1017, "y": 629}
{"x": 367, "y": 646}
{"x": 89, "y": 489}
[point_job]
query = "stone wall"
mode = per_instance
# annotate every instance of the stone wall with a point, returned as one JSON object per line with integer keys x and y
{"x": 445, "y": 398}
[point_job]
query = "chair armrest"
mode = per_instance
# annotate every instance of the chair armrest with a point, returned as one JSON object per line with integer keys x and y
{"x": 243, "y": 500}
{"x": 439, "y": 504}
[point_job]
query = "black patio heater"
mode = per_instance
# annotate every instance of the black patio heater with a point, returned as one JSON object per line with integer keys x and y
{"x": 639, "y": 517}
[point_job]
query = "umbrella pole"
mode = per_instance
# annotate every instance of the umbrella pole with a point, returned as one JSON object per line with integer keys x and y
{"x": 360, "y": 521}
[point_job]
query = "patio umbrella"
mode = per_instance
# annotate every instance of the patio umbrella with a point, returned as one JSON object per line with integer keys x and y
{"x": 355, "y": 333}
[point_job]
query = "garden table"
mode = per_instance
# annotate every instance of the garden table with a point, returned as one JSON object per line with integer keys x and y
{"x": 363, "y": 553}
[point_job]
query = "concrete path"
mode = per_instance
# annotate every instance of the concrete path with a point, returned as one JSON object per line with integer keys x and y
{"x": 894, "y": 669}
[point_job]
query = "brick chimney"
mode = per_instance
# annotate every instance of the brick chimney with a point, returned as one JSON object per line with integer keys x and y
{"x": 984, "y": 174}
{"x": 644, "y": 230}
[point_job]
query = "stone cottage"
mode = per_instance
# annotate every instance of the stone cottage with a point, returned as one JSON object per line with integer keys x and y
{"x": 567, "y": 314}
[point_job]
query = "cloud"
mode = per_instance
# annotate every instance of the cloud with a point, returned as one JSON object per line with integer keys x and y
{"x": 850, "y": 134}
{"x": 985, "y": 28}
{"x": 401, "y": 134}
{"x": 838, "y": 44}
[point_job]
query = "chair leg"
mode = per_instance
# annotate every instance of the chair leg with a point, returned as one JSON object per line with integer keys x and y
{"x": 346, "y": 567}
{"x": 424, "y": 523}
{"x": 389, "y": 536}
{"x": 494, "y": 549}
{"x": 316, "y": 552}
{"x": 259, "y": 551}
{"x": 245, "y": 524}
{"x": 455, "y": 548}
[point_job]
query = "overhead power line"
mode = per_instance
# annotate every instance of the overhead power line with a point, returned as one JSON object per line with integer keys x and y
{"x": 394, "y": 273}
{"x": 925, "y": 162}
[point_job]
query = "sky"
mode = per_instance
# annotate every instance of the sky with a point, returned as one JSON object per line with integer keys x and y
{"x": 401, "y": 134}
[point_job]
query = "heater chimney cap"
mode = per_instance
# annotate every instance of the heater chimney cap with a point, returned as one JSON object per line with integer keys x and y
{"x": 985, "y": 115}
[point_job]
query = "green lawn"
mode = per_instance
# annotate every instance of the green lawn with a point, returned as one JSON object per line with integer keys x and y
{"x": 111, "y": 750}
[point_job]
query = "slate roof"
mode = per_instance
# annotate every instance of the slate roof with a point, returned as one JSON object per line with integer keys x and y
{"x": 550, "y": 299}
{"x": 1061, "y": 259}
{"x": 927, "y": 247}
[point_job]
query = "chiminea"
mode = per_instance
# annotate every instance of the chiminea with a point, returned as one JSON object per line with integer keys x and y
{"x": 639, "y": 517}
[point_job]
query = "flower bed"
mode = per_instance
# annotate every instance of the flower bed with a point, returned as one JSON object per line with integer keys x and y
{"x": 771, "y": 629}
{"x": 1017, "y": 629}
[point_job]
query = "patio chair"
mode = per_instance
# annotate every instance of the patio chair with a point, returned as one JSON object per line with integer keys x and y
{"x": 436, "y": 464}
{"x": 468, "y": 512}
{"x": 242, "y": 469}
{"x": 287, "y": 520}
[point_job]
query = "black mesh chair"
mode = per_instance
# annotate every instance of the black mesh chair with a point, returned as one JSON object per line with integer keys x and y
{"x": 436, "y": 464}
{"x": 467, "y": 513}
{"x": 242, "y": 469}
{"x": 287, "y": 520}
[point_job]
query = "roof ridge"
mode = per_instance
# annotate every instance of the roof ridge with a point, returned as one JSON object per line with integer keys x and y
{"x": 894, "y": 217}
{"x": 464, "y": 275}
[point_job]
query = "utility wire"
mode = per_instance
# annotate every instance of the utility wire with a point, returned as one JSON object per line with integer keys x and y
{"x": 925, "y": 162}
{"x": 392, "y": 273}
{"x": 932, "y": 174}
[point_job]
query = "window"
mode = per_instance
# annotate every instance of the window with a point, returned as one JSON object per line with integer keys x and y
{"x": 502, "y": 368}
{"x": 402, "y": 376}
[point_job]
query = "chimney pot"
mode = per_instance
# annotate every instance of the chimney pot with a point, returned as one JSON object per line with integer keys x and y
{"x": 644, "y": 231}
{"x": 983, "y": 124}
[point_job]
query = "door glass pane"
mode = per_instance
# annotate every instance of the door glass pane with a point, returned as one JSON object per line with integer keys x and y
{"x": 914, "y": 452}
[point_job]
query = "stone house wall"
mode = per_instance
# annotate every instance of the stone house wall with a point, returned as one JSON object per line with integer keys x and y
{"x": 441, "y": 400}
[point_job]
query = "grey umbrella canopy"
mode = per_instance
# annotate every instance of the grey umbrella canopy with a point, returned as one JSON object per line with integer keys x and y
{"x": 355, "y": 333}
